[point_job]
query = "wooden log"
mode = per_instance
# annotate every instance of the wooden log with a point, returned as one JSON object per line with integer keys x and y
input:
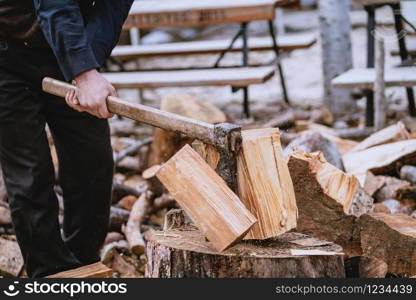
{"x": 383, "y": 159}
{"x": 365, "y": 267}
{"x": 312, "y": 141}
{"x": 97, "y": 270}
{"x": 380, "y": 101}
{"x": 11, "y": 259}
{"x": 127, "y": 202}
{"x": 288, "y": 119}
{"x": 177, "y": 219}
{"x": 164, "y": 201}
{"x": 373, "y": 183}
{"x": 408, "y": 173}
{"x": 328, "y": 200}
{"x": 165, "y": 143}
{"x": 206, "y": 198}
{"x": 394, "y": 133}
{"x": 207, "y": 152}
{"x": 264, "y": 184}
{"x": 187, "y": 254}
{"x": 118, "y": 217}
{"x": 137, "y": 216}
{"x": 391, "y": 238}
{"x": 3, "y": 192}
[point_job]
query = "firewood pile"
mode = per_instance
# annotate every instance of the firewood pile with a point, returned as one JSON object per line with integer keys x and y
{"x": 313, "y": 200}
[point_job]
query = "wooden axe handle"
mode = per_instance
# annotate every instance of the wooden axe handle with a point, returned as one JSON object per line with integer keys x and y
{"x": 145, "y": 114}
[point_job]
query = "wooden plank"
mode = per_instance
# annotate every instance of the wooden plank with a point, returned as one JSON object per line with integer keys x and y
{"x": 381, "y": 159}
{"x": 238, "y": 77}
{"x": 153, "y": 13}
{"x": 265, "y": 185}
{"x": 411, "y": 47}
{"x": 286, "y": 43}
{"x": 97, "y": 270}
{"x": 364, "y": 78}
{"x": 205, "y": 197}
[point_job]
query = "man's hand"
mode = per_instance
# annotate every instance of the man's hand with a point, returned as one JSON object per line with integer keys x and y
{"x": 92, "y": 92}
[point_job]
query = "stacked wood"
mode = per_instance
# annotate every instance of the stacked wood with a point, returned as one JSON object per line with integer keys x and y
{"x": 288, "y": 118}
{"x": 373, "y": 183}
{"x": 313, "y": 141}
{"x": 328, "y": 200}
{"x": 166, "y": 144}
{"x": 391, "y": 238}
{"x": 265, "y": 185}
{"x": 97, "y": 270}
{"x": 11, "y": 259}
{"x": 383, "y": 159}
{"x": 206, "y": 198}
{"x": 5, "y": 217}
{"x": 391, "y": 134}
{"x": 137, "y": 216}
{"x": 187, "y": 254}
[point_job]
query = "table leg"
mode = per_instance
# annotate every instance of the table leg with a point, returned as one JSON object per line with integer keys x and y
{"x": 371, "y": 26}
{"x": 244, "y": 35}
{"x": 404, "y": 54}
{"x": 279, "y": 65}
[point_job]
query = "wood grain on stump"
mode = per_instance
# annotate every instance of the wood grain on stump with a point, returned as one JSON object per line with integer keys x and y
{"x": 187, "y": 254}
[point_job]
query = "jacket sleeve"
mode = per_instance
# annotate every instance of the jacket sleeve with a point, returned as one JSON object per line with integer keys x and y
{"x": 105, "y": 25}
{"x": 63, "y": 26}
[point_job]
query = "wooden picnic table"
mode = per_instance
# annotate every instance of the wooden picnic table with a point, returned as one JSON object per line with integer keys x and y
{"x": 146, "y": 14}
{"x": 154, "y": 13}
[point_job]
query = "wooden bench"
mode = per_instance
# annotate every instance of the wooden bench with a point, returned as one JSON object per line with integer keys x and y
{"x": 411, "y": 48}
{"x": 364, "y": 78}
{"x": 286, "y": 43}
{"x": 235, "y": 77}
{"x": 153, "y": 13}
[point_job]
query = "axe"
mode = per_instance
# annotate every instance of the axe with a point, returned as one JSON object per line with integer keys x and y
{"x": 225, "y": 137}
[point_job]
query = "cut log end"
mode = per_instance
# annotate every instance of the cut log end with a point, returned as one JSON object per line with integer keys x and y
{"x": 187, "y": 254}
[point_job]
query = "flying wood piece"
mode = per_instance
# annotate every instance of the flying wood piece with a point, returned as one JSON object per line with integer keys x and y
{"x": 205, "y": 197}
{"x": 328, "y": 200}
{"x": 224, "y": 136}
{"x": 391, "y": 238}
{"x": 264, "y": 184}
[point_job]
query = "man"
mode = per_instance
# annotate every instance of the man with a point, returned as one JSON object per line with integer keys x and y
{"x": 68, "y": 40}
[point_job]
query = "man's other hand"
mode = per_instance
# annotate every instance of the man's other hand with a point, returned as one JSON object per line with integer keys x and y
{"x": 91, "y": 94}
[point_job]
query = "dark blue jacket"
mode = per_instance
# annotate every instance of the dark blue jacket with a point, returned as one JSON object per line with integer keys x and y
{"x": 81, "y": 33}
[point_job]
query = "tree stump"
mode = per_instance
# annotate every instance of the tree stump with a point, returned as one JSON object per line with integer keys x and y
{"x": 187, "y": 254}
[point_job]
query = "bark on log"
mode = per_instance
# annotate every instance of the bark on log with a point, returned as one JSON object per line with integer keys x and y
{"x": 327, "y": 200}
{"x": 391, "y": 238}
{"x": 264, "y": 184}
{"x": 187, "y": 254}
{"x": 11, "y": 260}
{"x": 312, "y": 141}
{"x": 206, "y": 198}
{"x": 166, "y": 144}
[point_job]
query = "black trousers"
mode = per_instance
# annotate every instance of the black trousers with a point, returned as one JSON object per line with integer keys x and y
{"x": 85, "y": 165}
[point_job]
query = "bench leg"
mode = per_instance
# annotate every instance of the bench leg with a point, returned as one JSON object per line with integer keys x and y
{"x": 244, "y": 35}
{"x": 371, "y": 26}
{"x": 222, "y": 54}
{"x": 279, "y": 65}
{"x": 404, "y": 54}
